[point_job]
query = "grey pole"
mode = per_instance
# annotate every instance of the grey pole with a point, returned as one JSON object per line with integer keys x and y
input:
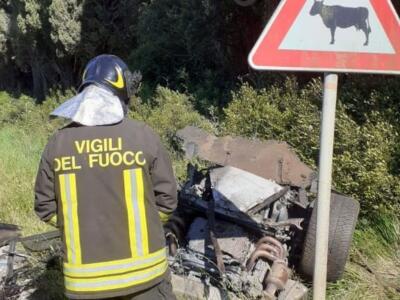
{"x": 324, "y": 184}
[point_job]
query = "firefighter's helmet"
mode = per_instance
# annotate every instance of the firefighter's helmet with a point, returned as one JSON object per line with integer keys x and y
{"x": 111, "y": 72}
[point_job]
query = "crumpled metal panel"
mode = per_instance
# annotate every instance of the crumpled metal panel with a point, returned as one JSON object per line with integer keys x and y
{"x": 231, "y": 238}
{"x": 270, "y": 159}
{"x": 236, "y": 189}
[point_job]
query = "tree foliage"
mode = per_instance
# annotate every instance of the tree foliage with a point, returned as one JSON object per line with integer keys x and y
{"x": 66, "y": 27}
{"x": 199, "y": 46}
{"x": 366, "y": 140}
{"x": 46, "y": 43}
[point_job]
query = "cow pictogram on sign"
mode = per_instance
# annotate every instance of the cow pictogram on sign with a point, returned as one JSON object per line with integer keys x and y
{"x": 360, "y": 36}
{"x": 344, "y": 17}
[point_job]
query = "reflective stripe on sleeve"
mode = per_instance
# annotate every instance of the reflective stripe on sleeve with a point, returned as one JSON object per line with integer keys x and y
{"x": 53, "y": 221}
{"x": 70, "y": 215}
{"x": 164, "y": 217}
{"x": 114, "y": 267}
{"x": 117, "y": 281}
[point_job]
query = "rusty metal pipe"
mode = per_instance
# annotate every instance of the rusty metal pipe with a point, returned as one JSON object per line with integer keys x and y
{"x": 276, "y": 279}
{"x": 271, "y": 240}
{"x": 270, "y": 249}
{"x": 267, "y": 247}
{"x": 257, "y": 254}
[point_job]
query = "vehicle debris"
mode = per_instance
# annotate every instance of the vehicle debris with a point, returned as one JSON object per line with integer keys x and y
{"x": 190, "y": 289}
{"x": 222, "y": 244}
{"x": 14, "y": 261}
{"x": 294, "y": 290}
{"x": 238, "y": 189}
{"x": 271, "y": 159}
{"x": 276, "y": 279}
{"x": 42, "y": 241}
{"x": 244, "y": 223}
{"x": 35, "y": 243}
{"x": 11, "y": 262}
{"x": 269, "y": 248}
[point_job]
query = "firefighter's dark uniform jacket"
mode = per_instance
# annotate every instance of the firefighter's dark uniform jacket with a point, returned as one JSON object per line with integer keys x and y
{"x": 107, "y": 186}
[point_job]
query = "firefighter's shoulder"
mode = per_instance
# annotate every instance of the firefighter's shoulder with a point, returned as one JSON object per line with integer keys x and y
{"x": 144, "y": 128}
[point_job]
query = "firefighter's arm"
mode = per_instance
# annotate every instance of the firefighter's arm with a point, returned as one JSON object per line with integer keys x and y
{"x": 45, "y": 200}
{"x": 164, "y": 183}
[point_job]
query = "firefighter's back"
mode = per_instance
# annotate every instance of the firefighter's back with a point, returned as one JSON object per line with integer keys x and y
{"x": 113, "y": 237}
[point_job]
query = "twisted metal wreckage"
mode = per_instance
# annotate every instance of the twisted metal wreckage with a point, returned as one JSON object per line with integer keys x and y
{"x": 243, "y": 223}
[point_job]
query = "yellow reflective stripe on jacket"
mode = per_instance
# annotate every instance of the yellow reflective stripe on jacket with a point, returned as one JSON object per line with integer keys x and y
{"x": 115, "y": 267}
{"x": 70, "y": 215}
{"x": 53, "y": 221}
{"x": 117, "y": 281}
{"x": 129, "y": 209}
{"x": 164, "y": 217}
{"x": 134, "y": 199}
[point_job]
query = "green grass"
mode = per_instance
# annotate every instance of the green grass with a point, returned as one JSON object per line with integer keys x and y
{"x": 20, "y": 152}
{"x": 373, "y": 270}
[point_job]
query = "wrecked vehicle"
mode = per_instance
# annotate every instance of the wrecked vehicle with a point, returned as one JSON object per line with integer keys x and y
{"x": 245, "y": 223}
{"x": 242, "y": 225}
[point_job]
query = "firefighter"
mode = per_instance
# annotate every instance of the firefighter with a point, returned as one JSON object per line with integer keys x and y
{"x": 107, "y": 182}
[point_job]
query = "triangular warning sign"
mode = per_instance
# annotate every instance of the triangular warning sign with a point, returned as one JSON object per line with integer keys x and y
{"x": 361, "y": 36}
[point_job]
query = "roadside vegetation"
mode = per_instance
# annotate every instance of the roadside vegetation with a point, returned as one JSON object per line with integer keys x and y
{"x": 364, "y": 155}
{"x": 192, "y": 55}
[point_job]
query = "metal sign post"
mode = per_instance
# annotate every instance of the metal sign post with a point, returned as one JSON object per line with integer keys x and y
{"x": 297, "y": 38}
{"x": 324, "y": 184}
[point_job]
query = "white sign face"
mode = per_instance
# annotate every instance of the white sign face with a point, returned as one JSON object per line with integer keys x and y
{"x": 356, "y": 29}
{"x": 358, "y": 36}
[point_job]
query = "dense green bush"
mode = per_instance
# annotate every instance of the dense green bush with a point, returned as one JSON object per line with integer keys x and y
{"x": 24, "y": 113}
{"x": 23, "y": 109}
{"x": 167, "y": 112}
{"x": 45, "y": 44}
{"x": 363, "y": 151}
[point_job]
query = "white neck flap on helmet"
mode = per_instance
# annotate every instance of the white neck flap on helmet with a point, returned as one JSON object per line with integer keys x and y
{"x": 94, "y": 106}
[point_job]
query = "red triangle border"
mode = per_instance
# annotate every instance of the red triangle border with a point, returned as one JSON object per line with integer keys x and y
{"x": 267, "y": 56}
